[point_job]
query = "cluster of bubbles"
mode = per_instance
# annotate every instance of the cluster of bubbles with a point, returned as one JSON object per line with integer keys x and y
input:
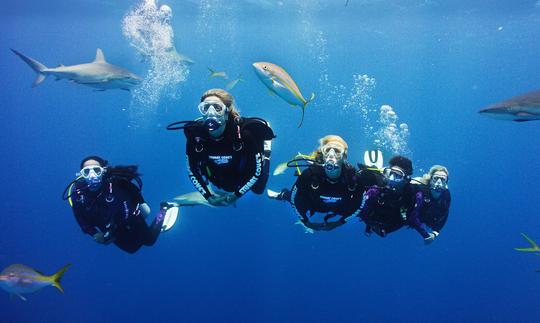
{"x": 225, "y": 13}
{"x": 391, "y": 136}
{"x": 148, "y": 29}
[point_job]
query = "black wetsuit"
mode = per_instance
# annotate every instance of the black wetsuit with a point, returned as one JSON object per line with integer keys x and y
{"x": 235, "y": 162}
{"x": 384, "y": 210}
{"x": 429, "y": 211}
{"x": 314, "y": 192}
{"x": 113, "y": 209}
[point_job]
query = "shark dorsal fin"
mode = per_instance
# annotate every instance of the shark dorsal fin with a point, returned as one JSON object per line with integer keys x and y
{"x": 99, "y": 56}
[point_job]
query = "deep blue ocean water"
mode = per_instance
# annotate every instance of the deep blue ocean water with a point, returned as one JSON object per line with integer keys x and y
{"x": 436, "y": 63}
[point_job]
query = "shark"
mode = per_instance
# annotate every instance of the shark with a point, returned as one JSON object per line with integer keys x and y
{"x": 98, "y": 74}
{"x": 521, "y": 108}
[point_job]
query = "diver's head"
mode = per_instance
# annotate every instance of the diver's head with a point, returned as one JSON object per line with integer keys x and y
{"x": 333, "y": 153}
{"x": 216, "y": 107}
{"x": 92, "y": 171}
{"x": 438, "y": 178}
{"x": 398, "y": 173}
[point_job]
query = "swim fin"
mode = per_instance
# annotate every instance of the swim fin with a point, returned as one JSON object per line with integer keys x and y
{"x": 373, "y": 158}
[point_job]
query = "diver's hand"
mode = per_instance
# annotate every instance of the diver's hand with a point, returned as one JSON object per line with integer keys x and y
{"x": 431, "y": 238}
{"x": 103, "y": 237}
{"x": 217, "y": 200}
{"x": 231, "y": 198}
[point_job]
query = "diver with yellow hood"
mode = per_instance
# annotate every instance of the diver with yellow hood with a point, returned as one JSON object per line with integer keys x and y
{"x": 329, "y": 184}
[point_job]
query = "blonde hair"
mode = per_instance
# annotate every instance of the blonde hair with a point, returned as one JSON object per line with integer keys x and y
{"x": 427, "y": 177}
{"x": 226, "y": 98}
{"x": 317, "y": 154}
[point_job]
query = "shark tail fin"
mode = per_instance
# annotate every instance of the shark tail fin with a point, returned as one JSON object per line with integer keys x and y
{"x": 35, "y": 65}
{"x": 58, "y": 276}
{"x": 534, "y": 247}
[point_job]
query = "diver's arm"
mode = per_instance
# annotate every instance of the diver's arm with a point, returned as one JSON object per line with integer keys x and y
{"x": 194, "y": 172}
{"x": 414, "y": 216}
{"x": 86, "y": 227}
{"x": 368, "y": 202}
{"x": 442, "y": 219}
{"x": 299, "y": 199}
{"x": 254, "y": 167}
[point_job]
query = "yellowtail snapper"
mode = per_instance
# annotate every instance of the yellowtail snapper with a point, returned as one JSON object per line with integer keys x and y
{"x": 20, "y": 279}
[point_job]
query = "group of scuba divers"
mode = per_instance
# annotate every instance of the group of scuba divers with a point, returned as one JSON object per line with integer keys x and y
{"x": 232, "y": 153}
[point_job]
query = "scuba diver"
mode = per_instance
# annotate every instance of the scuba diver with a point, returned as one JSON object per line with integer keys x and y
{"x": 384, "y": 207}
{"x": 109, "y": 206}
{"x": 328, "y": 185}
{"x": 431, "y": 203}
{"x": 228, "y": 151}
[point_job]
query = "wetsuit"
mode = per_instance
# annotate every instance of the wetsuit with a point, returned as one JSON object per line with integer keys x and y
{"x": 113, "y": 209}
{"x": 429, "y": 211}
{"x": 384, "y": 210}
{"x": 314, "y": 192}
{"x": 236, "y": 162}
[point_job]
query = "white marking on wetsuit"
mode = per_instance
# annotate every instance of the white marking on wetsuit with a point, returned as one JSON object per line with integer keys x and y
{"x": 255, "y": 178}
{"x": 194, "y": 179}
{"x": 330, "y": 199}
{"x": 220, "y": 160}
{"x": 293, "y": 196}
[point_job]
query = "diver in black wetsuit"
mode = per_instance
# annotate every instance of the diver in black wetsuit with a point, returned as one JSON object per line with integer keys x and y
{"x": 431, "y": 203}
{"x": 329, "y": 185}
{"x": 384, "y": 208}
{"x": 222, "y": 148}
{"x": 109, "y": 206}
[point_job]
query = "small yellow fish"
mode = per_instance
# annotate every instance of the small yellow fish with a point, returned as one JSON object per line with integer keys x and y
{"x": 20, "y": 279}
{"x": 217, "y": 74}
{"x": 280, "y": 169}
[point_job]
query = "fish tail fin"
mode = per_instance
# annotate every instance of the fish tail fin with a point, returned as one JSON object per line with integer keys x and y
{"x": 58, "y": 276}
{"x": 212, "y": 72}
{"x": 35, "y": 65}
{"x": 302, "y": 120}
{"x": 534, "y": 247}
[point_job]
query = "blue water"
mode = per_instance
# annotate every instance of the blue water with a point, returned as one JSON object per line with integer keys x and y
{"x": 435, "y": 63}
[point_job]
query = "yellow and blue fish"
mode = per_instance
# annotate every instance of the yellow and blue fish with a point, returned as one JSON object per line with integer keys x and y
{"x": 20, "y": 279}
{"x": 279, "y": 82}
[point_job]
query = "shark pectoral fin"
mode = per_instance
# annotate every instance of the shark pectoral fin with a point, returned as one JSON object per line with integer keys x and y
{"x": 272, "y": 93}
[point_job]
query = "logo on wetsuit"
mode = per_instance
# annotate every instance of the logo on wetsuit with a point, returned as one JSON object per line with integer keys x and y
{"x": 194, "y": 180}
{"x": 330, "y": 199}
{"x": 220, "y": 160}
{"x": 255, "y": 178}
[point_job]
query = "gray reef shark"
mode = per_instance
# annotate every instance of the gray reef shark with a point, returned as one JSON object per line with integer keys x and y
{"x": 98, "y": 74}
{"x": 521, "y": 108}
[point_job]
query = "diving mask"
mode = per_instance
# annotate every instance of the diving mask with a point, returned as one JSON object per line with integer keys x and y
{"x": 394, "y": 174}
{"x": 335, "y": 148}
{"x": 91, "y": 171}
{"x": 92, "y": 175}
{"x": 438, "y": 182}
{"x": 218, "y": 108}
